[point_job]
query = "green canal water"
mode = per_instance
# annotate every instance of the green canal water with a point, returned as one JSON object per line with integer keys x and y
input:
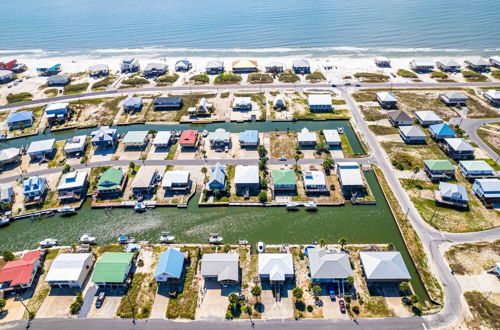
{"x": 359, "y": 224}
{"x": 266, "y": 126}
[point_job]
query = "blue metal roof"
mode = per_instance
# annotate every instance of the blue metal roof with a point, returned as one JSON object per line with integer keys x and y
{"x": 442, "y": 130}
{"x": 19, "y": 116}
{"x": 170, "y": 262}
{"x": 249, "y": 136}
{"x": 218, "y": 174}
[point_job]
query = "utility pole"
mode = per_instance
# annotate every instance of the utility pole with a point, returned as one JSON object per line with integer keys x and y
{"x": 131, "y": 308}
{"x": 486, "y": 298}
{"x": 29, "y": 313}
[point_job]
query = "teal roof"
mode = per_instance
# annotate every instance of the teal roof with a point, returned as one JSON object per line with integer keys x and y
{"x": 112, "y": 268}
{"x": 284, "y": 177}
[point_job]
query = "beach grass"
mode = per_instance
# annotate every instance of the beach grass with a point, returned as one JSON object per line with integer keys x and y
{"x": 288, "y": 77}
{"x": 383, "y": 130}
{"x": 316, "y": 76}
{"x": 439, "y": 75}
{"x": 472, "y": 76}
{"x": 227, "y": 78}
{"x": 260, "y": 78}
{"x": 495, "y": 74}
{"x": 103, "y": 83}
{"x": 167, "y": 79}
{"x": 19, "y": 97}
{"x": 75, "y": 88}
{"x": 406, "y": 74}
{"x": 365, "y": 96}
{"x": 135, "y": 82}
{"x": 370, "y": 77}
{"x": 485, "y": 311}
{"x": 200, "y": 79}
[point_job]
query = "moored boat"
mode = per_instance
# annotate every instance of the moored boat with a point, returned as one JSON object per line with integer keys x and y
{"x": 67, "y": 210}
{"x": 87, "y": 239}
{"x": 292, "y": 206}
{"x": 311, "y": 206}
{"x": 139, "y": 207}
{"x": 215, "y": 239}
{"x": 4, "y": 222}
{"x": 261, "y": 247}
{"x": 48, "y": 242}
{"x": 165, "y": 237}
{"x": 242, "y": 242}
{"x": 123, "y": 239}
{"x": 340, "y": 130}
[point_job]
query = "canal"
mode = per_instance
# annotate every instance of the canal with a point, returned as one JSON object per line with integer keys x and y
{"x": 358, "y": 224}
{"x": 264, "y": 126}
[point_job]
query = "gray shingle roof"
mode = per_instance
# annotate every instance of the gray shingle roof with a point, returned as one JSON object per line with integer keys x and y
{"x": 223, "y": 265}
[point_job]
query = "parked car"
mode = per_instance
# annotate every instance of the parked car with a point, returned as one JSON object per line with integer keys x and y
{"x": 342, "y": 306}
{"x": 334, "y": 85}
{"x": 331, "y": 290}
{"x": 283, "y": 159}
{"x": 100, "y": 299}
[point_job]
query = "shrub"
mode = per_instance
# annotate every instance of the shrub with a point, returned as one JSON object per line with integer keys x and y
{"x": 20, "y": 97}
{"x": 8, "y": 256}
{"x": 140, "y": 263}
{"x": 310, "y": 308}
{"x": 227, "y": 78}
{"x": 355, "y": 309}
{"x": 406, "y": 74}
{"x": 76, "y": 305}
{"x": 288, "y": 77}
{"x": 315, "y": 76}
{"x": 262, "y": 197}
{"x": 168, "y": 78}
{"x": 200, "y": 79}
{"x": 135, "y": 81}
{"x": 260, "y": 78}
{"x": 347, "y": 299}
{"x": 298, "y": 293}
{"x": 75, "y": 88}
{"x": 439, "y": 75}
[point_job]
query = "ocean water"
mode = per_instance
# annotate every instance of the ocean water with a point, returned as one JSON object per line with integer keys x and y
{"x": 258, "y": 27}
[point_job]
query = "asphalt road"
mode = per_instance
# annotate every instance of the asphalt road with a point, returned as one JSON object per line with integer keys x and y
{"x": 470, "y": 126}
{"x": 233, "y": 87}
{"x": 124, "y": 324}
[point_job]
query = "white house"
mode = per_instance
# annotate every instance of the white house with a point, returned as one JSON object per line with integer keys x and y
{"x": 426, "y": 118}
{"x": 70, "y": 270}
{"x": 320, "y": 102}
{"x": 422, "y": 65}
{"x": 75, "y": 145}
{"x": 306, "y": 138}
{"x": 242, "y": 103}
{"x": 315, "y": 181}
{"x": 332, "y": 137}
{"x": 275, "y": 267}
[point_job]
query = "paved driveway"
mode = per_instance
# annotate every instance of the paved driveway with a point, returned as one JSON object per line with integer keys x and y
{"x": 215, "y": 301}
{"x": 110, "y": 305}
{"x": 57, "y": 303}
{"x": 159, "y": 309}
{"x": 272, "y": 309}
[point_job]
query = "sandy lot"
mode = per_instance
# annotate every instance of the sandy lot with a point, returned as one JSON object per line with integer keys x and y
{"x": 483, "y": 282}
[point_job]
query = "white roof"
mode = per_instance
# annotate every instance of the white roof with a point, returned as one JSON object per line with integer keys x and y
{"x": 222, "y": 265}
{"x": 459, "y": 144}
{"x": 242, "y": 100}
{"x": 246, "y": 174}
{"x": 423, "y": 62}
{"x": 427, "y": 115}
{"x": 494, "y": 94}
{"x": 411, "y": 131}
{"x": 314, "y": 177}
{"x": 495, "y": 59}
{"x": 478, "y": 61}
{"x": 56, "y": 106}
{"x": 67, "y": 267}
{"x": 175, "y": 176}
{"x": 449, "y": 63}
{"x": 305, "y": 136}
{"x": 72, "y": 180}
{"x": 327, "y": 265}
{"x": 40, "y": 146}
{"x": 275, "y": 265}
{"x": 388, "y": 265}
{"x": 350, "y": 174}
{"x": 382, "y": 59}
{"x": 386, "y": 97}
{"x": 9, "y": 153}
{"x": 319, "y": 99}
{"x": 162, "y": 137}
{"x": 75, "y": 143}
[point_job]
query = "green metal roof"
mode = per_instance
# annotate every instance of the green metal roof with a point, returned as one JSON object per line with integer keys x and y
{"x": 110, "y": 179}
{"x": 284, "y": 177}
{"x": 112, "y": 268}
{"x": 439, "y": 165}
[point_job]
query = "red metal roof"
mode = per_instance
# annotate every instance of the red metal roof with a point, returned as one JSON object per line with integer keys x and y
{"x": 19, "y": 271}
{"x": 8, "y": 65}
{"x": 188, "y": 136}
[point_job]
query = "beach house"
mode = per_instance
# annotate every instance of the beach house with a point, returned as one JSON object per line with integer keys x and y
{"x": 315, "y": 182}
{"x": 132, "y": 104}
{"x": 275, "y": 67}
{"x": 57, "y": 112}
{"x": 47, "y": 71}
{"x": 439, "y": 169}
{"x": 9, "y": 156}
{"x": 145, "y": 181}
{"x": 319, "y": 103}
{"x": 275, "y": 268}
{"x": 279, "y": 102}
{"x": 19, "y": 274}
{"x": 170, "y": 265}
{"x": 448, "y": 65}
{"x": 219, "y": 139}
{"x": 104, "y": 137}
{"x": 488, "y": 191}
{"x": 34, "y": 189}
{"x": 176, "y": 181}
{"x": 249, "y": 139}
{"x": 99, "y": 70}
{"x": 247, "y": 180}
{"x": 242, "y": 104}
{"x": 20, "y": 120}
{"x": 412, "y": 134}
{"x": 6, "y": 194}
{"x": 329, "y": 266}
{"x": 113, "y": 269}
{"x": 492, "y": 96}
{"x": 72, "y": 186}
{"x": 426, "y": 118}
{"x": 441, "y": 131}
{"x": 306, "y": 138}
{"x": 384, "y": 266}
{"x": 155, "y": 69}
{"x": 221, "y": 267}
{"x": 162, "y": 139}
{"x": 42, "y": 149}
{"x": 478, "y": 64}
{"x": 136, "y": 139}
{"x": 58, "y": 80}
{"x": 183, "y": 66}
{"x": 130, "y": 65}
{"x": 75, "y": 146}
{"x": 6, "y": 76}
{"x": 189, "y": 138}
{"x": 245, "y": 66}
{"x": 284, "y": 180}
{"x": 13, "y": 66}
{"x": 422, "y": 65}
{"x": 382, "y": 62}
{"x": 214, "y": 67}
{"x": 399, "y": 118}
{"x": 301, "y": 66}
{"x": 495, "y": 61}
{"x": 458, "y": 148}
{"x": 387, "y": 100}
{"x": 111, "y": 183}
{"x": 203, "y": 107}
{"x": 454, "y": 99}
{"x": 450, "y": 194}
{"x": 218, "y": 177}
{"x": 167, "y": 103}
{"x": 70, "y": 270}
{"x": 476, "y": 169}
{"x": 350, "y": 177}
{"x": 332, "y": 137}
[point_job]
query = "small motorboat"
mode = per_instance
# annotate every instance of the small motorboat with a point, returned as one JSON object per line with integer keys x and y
{"x": 261, "y": 247}
{"x": 87, "y": 239}
{"x": 311, "y": 206}
{"x": 67, "y": 210}
{"x": 242, "y": 242}
{"x": 50, "y": 214}
{"x": 292, "y": 206}
{"x": 48, "y": 243}
{"x": 140, "y": 207}
{"x": 165, "y": 237}
{"x": 340, "y": 130}
{"x": 125, "y": 240}
{"x": 204, "y": 133}
{"x": 215, "y": 239}
{"x": 4, "y": 222}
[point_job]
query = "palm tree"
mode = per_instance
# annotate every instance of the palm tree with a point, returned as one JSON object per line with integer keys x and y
{"x": 322, "y": 242}
{"x": 416, "y": 169}
{"x": 342, "y": 242}
{"x": 404, "y": 287}
{"x": 316, "y": 290}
